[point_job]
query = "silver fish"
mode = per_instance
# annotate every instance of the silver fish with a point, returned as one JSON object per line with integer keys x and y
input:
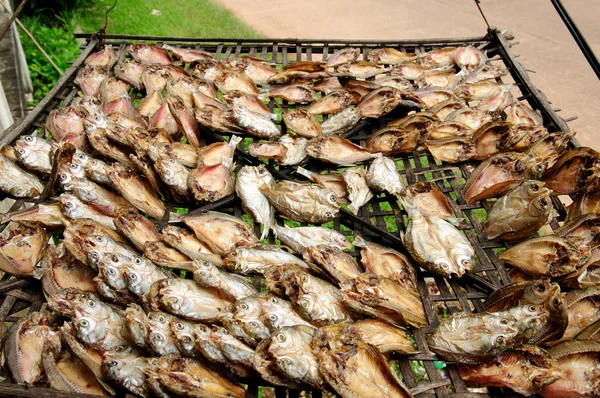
{"x": 233, "y": 286}
{"x": 137, "y": 228}
{"x": 35, "y": 153}
{"x": 302, "y": 202}
{"x": 249, "y": 180}
{"x": 382, "y": 175}
{"x": 301, "y": 238}
{"x": 258, "y": 259}
{"x": 254, "y": 123}
{"x": 188, "y": 299}
{"x": 18, "y": 182}
{"x": 186, "y": 242}
{"x": 341, "y": 122}
{"x": 436, "y": 244}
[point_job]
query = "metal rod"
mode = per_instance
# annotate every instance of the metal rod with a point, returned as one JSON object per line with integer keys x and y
{"x": 13, "y": 16}
{"x": 482, "y": 14}
{"x": 579, "y": 39}
{"x": 39, "y": 47}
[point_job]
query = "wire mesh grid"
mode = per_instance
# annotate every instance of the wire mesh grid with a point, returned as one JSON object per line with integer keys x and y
{"x": 382, "y": 220}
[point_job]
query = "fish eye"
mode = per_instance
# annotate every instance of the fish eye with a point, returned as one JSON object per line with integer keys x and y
{"x": 261, "y": 170}
{"x": 69, "y": 205}
{"x": 21, "y": 151}
{"x": 556, "y": 302}
{"x": 504, "y": 321}
{"x": 254, "y": 324}
{"x": 499, "y": 339}
{"x": 203, "y": 328}
{"x": 304, "y": 278}
{"x": 244, "y": 306}
{"x": 161, "y": 319}
{"x": 466, "y": 262}
{"x": 91, "y": 303}
{"x": 274, "y": 300}
{"x": 97, "y": 118}
{"x": 133, "y": 277}
{"x": 540, "y": 287}
{"x": 304, "y": 304}
{"x": 138, "y": 261}
{"x": 84, "y": 323}
{"x": 281, "y": 337}
{"x": 95, "y": 256}
{"x": 272, "y": 318}
{"x": 328, "y": 214}
{"x": 167, "y": 172}
{"x": 112, "y": 364}
{"x": 112, "y": 271}
{"x": 543, "y": 202}
{"x": 158, "y": 337}
{"x": 28, "y": 138}
{"x": 73, "y": 166}
{"x": 99, "y": 239}
{"x": 120, "y": 348}
{"x": 535, "y": 187}
{"x": 186, "y": 339}
{"x": 532, "y": 308}
{"x": 333, "y": 198}
{"x": 62, "y": 176}
{"x": 179, "y": 325}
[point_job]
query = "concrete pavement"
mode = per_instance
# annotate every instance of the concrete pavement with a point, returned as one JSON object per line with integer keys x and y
{"x": 545, "y": 46}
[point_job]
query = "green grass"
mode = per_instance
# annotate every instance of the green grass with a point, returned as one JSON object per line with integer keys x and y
{"x": 182, "y": 18}
{"x": 55, "y": 31}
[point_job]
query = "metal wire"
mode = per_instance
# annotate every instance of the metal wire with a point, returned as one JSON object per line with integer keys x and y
{"x": 103, "y": 30}
{"x": 579, "y": 39}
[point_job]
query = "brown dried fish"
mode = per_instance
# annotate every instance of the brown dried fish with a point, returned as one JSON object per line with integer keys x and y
{"x": 222, "y": 232}
{"x": 149, "y": 54}
{"x": 303, "y": 123}
{"x": 547, "y": 256}
{"x": 21, "y": 248}
{"x": 525, "y": 370}
{"x": 298, "y": 93}
{"x": 24, "y": 346}
{"x": 499, "y": 174}
{"x": 388, "y": 56}
{"x": 519, "y": 213}
{"x": 452, "y": 149}
{"x": 535, "y": 292}
{"x": 356, "y": 369}
{"x": 333, "y": 262}
{"x": 385, "y": 337}
{"x": 137, "y": 191}
{"x": 573, "y": 171}
{"x": 338, "y": 150}
{"x": 427, "y": 196}
{"x": 18, "y": 182}
{"x": 343, "y": 56}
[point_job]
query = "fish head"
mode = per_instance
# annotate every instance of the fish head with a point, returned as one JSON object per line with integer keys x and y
{"x": 256, "y": 329}
{"x": 444, "y": 266}
{"x": 540, "y": 291}
{"x": 308, "y": 304}
{"x": 233, "y": 261}
{"x": 207, "y": 274}
{"x": 63, "y": 302}
{"x": 111, "y": 275}
{"x": 184, "y": 335}
{"x": 89, "y": 330}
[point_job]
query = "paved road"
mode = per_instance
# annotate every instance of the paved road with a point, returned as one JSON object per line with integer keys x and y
{"x": 545, "y": 44}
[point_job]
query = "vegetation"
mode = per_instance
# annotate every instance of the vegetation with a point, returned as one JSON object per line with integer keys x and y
{"x": 53, "y": 24}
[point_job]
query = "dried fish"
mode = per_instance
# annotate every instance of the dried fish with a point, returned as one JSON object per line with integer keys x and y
{"x": 547, "y": 256}
{"x": 301, "y": 238}
{"x": 302, "y": 201}
{"x": 21, "y": 248}
{"x": 356, "y": 369}
{"x": 519, "y": 213}
{"x": 223, "y": 233}
{"x": 233, "y": 286}
{"x": 301, "y": 122}
{"x": 18, "y": 182}
{"x": 336, "y": 264}
{"x": 137, "y": 191}
{"x": 338, "y": 150}
{"x": 436, "y": 244}
{"x": 252, "y": 260}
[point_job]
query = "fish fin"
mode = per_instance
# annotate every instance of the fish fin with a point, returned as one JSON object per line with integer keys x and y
{"x": 265, "y": 232}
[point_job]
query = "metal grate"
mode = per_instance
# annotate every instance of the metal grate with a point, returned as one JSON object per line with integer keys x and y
{"x": 382, "y": 220}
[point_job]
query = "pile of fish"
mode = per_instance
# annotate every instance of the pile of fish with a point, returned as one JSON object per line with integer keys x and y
{"x": 171, "y": 311}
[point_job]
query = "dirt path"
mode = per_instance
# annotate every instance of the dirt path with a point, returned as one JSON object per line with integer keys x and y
{"x": 545, "y": 44}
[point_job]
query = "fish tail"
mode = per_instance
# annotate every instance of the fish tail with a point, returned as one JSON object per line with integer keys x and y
{"x": 302, "y": 171}
{"x": 235, "y": 140}
{"x": 359, "y": 240}
{"x": 174, "y": 218}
